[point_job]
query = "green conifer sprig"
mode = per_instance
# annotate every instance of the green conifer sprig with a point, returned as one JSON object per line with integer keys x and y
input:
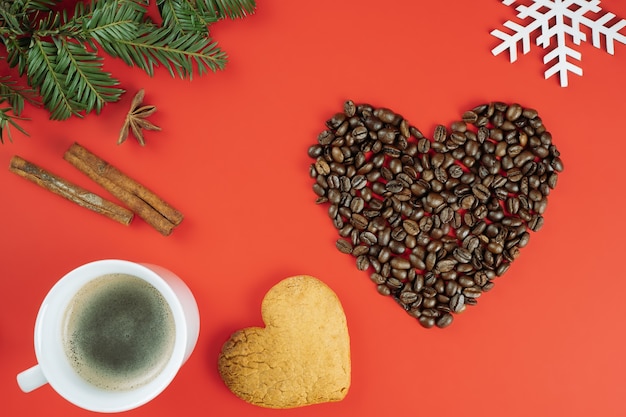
{"x": 59, "y": 52}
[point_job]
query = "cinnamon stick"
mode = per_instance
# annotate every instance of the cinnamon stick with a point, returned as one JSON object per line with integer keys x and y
{"x": 145, "y": 203}
{"x": 70, "y": 191}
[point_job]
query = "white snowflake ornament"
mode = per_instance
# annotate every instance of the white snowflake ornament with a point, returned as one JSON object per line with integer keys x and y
{"x": 560, "y": 20}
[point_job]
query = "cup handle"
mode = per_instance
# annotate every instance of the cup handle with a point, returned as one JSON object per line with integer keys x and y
{"x": 31, "y": 379}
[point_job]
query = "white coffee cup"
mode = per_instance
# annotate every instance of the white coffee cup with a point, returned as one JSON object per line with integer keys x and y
{"x": 53, "y": 365}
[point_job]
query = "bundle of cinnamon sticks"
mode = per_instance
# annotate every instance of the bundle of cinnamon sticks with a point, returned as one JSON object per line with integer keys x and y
{"x": 136, "y": 197}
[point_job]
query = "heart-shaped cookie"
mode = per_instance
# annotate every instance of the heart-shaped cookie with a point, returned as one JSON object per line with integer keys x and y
{"x": 300, "y": 357}
{"x": 434, "y": 221}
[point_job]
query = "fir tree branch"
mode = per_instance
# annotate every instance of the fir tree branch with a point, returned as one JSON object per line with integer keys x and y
{"x": 57, "y": 51}
{"x": 10, "y": 22}
{"x": 107, "y": 21}
{"x": 17, "y": 52}
{"x": 14, "y": 97}
{"x": 162, "y": 46}
{"x": 28, "y": 6}
{"x": 6, "y": 121}
{"x": 84, "y": 76}
{"x": 185, "y": 16}
{"x": 227, "y": 8}
{"x": 43, "y": 75}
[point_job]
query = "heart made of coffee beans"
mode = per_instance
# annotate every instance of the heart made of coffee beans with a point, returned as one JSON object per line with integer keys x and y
{"x": 435, "y": 221}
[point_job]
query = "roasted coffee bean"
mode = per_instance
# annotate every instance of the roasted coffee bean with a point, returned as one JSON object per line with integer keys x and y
{"x": 445, "y": 265}
{"x": 423, "y": 145}
{"x": 465, "y": 282}
{"x": 378, "y": 278}
{"x": 469, "y": 117}
{"x": 349, "y": 108}
{"x": 480, "y": 192}
{"x": 471, "y": 301}
{"x": 472, "y": 292}
{"x": 319, "y": 190}
{"x": 451, "y": 288}
{"x": 368, "y": 238}
{"x": 393, "y": 283}
{"x": 398, "y": 233}
{"x": 400, "y": 263}
{"x": 512, "y": 205}
{"x": 411, "y": 227}
{"x": 426, "y": 321}
{"x": 344, "y": 246}
{"x": 359, "y": 222}
{"x": 357, "y": 205}
{"x": 408, "y": 297}
{"x": 535, "y": 223}
{"x": 514, "y": 112}
{"x": 360, "y": 133}
{"x": 495, "y": 247}
{"x": 440, "y": 133}
{"x": 362, "y": 263}
{"x": 457, "y": 303}
{"x": 375, "y": 264}
{"x": 383, "y": 289}
{"x": 397, "y": 247}
{"x": 462, "y": 255}
{"x": 434, "y": 221}
{"x": 358, "y": 182}
{"x": 444, "y": 321}
{"x": 502, "y": 268}
{"x": 360, "y": 250}
{"x": 446, "y": 215}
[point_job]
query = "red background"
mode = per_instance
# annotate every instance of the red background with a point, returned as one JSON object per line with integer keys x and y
{"x": 547, "y": 340}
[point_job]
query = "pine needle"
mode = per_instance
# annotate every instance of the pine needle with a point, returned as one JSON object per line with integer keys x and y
{"x": 58, "y": 53}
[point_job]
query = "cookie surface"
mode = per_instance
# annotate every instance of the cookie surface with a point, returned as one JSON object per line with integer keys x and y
{"x": 301, "y": 356}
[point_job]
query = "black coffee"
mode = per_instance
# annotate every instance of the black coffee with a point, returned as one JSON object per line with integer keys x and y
{"x": 118, "y": 332}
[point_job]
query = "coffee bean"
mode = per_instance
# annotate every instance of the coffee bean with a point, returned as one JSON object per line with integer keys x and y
{"x": 446, "y": 265}
{"x": 481, "y": 278}
{"x": 427, "y": 322}
{"x": 349, "y": 108}
{"x": 440, "y": 133}
{"x": 362, "y": 263}
{"x": 457, "y": 303}
{"x": 495, "y": 247}
{"x": 400, "y": 263}
{"x": 434, "y": 220}
{"x": 383, "y": 289}
{"x": 472, "y": 292}
{"x": 358, "y": 182}
{"x": 394, "y": 186}
{"x": 359, "y": 222}
{"x": 360, "y": 133}
{"x": 469, "y": 117}
{"x": 462, "y": 255}
{"x": 465, "y": 282}
{"x": 344, "y": 246}
{"x": 446, "y": 215}
{"x": 378, "y": 278}
{"x": 444, "y": 321}
{"x": 360, "y": 250}
{"x": 535, "y": 223}
{"x": 408, "y": 297}
{"x": 368, "y": 238}
{"x": 411, "y": 227}
{"x": 514, "y": 112}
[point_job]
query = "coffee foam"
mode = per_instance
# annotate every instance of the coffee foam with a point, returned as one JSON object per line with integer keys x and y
{"x": 119, "y": 332}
